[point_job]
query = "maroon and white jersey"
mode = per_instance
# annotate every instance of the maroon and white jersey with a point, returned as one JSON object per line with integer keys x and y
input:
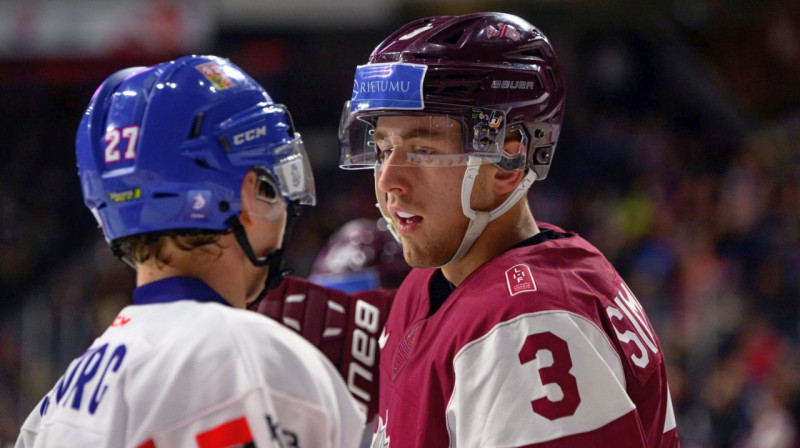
{"x": 544, "y": 346}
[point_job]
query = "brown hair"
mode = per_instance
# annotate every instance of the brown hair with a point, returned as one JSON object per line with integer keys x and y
{"x": 140, "y": 248}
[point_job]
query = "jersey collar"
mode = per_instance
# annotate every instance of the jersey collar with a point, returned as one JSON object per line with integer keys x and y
{"x": 173, "y": 289}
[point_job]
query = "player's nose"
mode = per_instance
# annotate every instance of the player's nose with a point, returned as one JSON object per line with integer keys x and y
{"x": 391, "y": 176}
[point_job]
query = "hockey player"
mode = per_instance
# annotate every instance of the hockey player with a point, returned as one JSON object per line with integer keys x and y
{"x": 362, "y": 255}
{"x": 192, "y": 172}
{"x": 510, "y": 332}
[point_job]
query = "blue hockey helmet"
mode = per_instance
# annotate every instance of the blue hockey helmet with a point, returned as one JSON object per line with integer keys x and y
{"x": 167, "y": 147}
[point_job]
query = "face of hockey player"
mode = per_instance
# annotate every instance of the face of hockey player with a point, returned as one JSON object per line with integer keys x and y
{"x": 422, "y": 194}
{"x": 264, "y": 221}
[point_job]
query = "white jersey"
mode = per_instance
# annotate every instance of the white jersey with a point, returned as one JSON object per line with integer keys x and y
{"x": 181, "y": 368}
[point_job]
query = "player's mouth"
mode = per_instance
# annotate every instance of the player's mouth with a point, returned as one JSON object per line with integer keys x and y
{"x": 406, "y": 222}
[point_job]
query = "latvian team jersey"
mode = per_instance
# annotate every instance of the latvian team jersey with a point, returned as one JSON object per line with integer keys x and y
{"x": 181, "y": 368}
{"x": 544, "y": 346}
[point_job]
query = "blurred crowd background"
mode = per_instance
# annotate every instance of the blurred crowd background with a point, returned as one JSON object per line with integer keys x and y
{"x": 679, "y": 158}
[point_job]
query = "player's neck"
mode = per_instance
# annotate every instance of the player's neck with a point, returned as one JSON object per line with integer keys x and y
{"x": 516, "y": 225}
{"x": 220, "y": 272}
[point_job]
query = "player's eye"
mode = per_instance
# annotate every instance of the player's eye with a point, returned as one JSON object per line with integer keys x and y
{"x": 384, "y": 154}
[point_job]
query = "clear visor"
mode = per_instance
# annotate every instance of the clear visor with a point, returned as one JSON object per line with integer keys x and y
{"x": 293, "y": 172}
{"x": 290, "y": 179}
{"x": 370, "y": 139}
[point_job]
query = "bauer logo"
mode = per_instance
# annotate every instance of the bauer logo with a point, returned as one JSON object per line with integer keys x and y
{"x": 508, "y": 84}
{"x": 388, "y": 86}
{"x": 520, "y": 279}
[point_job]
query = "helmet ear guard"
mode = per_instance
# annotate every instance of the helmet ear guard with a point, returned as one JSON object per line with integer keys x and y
{"x": 508, "y": 161}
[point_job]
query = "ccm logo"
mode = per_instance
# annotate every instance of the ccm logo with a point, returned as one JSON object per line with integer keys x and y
{"x": 250, "y": 135}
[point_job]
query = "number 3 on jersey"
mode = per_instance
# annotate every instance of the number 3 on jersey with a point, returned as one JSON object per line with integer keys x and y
{"x": 556, "y": 373}
{"x": 632, "y": 329}
{"x": 113, "y": 152}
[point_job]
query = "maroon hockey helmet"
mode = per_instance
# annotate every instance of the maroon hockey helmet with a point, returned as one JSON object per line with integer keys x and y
{"x": 492, "y": 63}
{"x": 361, "y": 255}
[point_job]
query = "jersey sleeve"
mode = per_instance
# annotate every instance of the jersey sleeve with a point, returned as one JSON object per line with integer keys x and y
{"x": 29, "y": 429}
{"x": 345, "y": 327}
{"x": 539, "y": 380}
{"x": 59, "y": 433}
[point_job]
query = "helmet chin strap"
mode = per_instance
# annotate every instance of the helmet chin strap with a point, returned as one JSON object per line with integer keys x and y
{"x": 478, "y": 219}
{"x": 274, "y": 259}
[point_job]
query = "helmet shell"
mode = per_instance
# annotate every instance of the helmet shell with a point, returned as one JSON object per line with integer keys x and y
{"x": 488, "y": 60}
{"x": 167, "y": 147}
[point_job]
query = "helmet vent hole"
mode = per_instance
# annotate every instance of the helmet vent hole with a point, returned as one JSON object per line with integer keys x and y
{"x": 224, "y": 142}
{"x": 456, "y": 90}
{"x": 198, "y": 121}
{"x": 164, "y": 195}
{"x": 424, "y": 56}
{"x": 531, "y": 53}
{"x": 201, "y": 163}
{"x": 450, "y": 37}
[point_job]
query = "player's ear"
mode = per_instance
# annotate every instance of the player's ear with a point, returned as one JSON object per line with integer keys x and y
{"x": 248, "y": 195}
{"x": 505, "y": 181}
